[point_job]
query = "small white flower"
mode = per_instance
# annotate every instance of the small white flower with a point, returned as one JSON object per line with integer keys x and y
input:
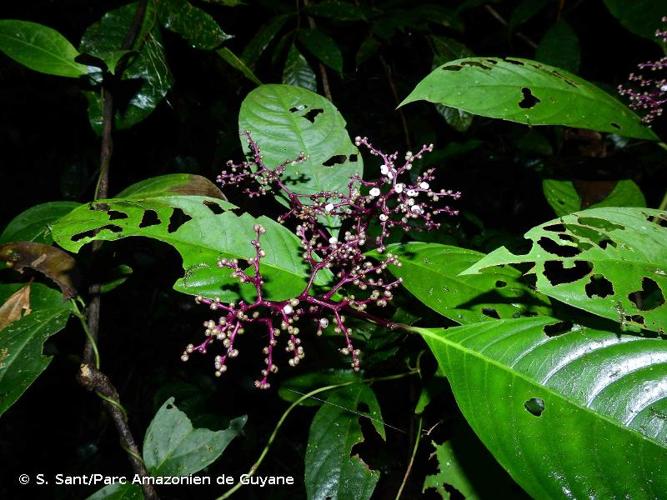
{"x": 288, "y": 309}
{"x": 408, "y": 155}
{"x": 416, "y": 209}
{"x": 324, "y": 322}
{"x": 384, "y": 169}
{"x": 398, "y": 188}
{"x": 328, "y": 207}
{"x": 411, "y": 192}
{"x": 424, "y": 185}
{"x": 664, "y": 88}
{"x": 333, "y": 240}
{"x": 375, "y": 192}
{"x": 383, "y": 217}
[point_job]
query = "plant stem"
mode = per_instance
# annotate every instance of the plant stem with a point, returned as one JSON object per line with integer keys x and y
{"x": 296, "y": 403}
{"x": 412, "y": 458}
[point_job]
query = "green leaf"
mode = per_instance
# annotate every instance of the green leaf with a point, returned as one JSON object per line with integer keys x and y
{"x": 524, "y": 91}
{"x": 286, "y": 121}
{"x": 447, "y": 49}
{"x": 202, "y": 230}
{"x": 40, "y": 48}
{"x": 21, "y": 358}
{"x": 192, "y": 23}
{"x": 330, "y": 470}
{"x": 608, "y": 261}
{"x": 368, "y": 48}
{"x": 557, "y": 438}
{"x": 565, "y": 199}
{"x": 323, "y": 47}
{"x": 148, "y": 69}
{"x": 119, "y": 275}
{"x": 458, "y": 119}
{"x": 560, "y": 47}
{"x": 525, "y": 11}
{"x": 171, "y": 184}
{"x": 430, "y": 272}
{"x": 233, "y": 60}
{"x": 297, "y": 71}
{"x": 172, "y": 447}
{"x": 642, "y": 17}
{"x": 34, "y": 224}
{"x": 262, "y": 39}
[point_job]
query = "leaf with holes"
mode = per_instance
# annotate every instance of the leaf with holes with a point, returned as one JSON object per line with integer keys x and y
{"x": 556, "y": 438}
{"x": 330, "y": 470}
{"x": 564, "y": 196}
{"x": 608, "y": 261}
{"x": 286, "y": 121}
{"x": 40, "y": 48}
{"x": 147, "y": 78}
{"x": 297, "y": 71}
{"x": 202, "y": 230}
{"x": 430, "y": 272}
{"x": 172, "y": 447}
{"x": 524, "y": 91}
{"x": 21, "y": 358}
{"x": 34, "y": 224}
{"x": 192, "y": 23}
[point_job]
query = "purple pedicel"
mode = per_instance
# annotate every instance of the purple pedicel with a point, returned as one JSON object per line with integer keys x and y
{"x": 649, "y": 93}
{"x": 394, "y": 204}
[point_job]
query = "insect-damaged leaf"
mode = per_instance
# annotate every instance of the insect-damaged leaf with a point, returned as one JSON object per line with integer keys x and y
{"x": 202, "y": 230}
{"x": 21, "y": 359}
{"x": 52, "y": 262}
{"x": 558, "y": 438}
{"x": 608, "y": 261}
{"x": 529, "y": 92}
{"x": 330, "y": 470}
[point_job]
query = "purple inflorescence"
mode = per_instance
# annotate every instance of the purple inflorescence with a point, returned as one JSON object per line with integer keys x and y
{"x": 358, "y": 281}
{"x": 648, "y": 92}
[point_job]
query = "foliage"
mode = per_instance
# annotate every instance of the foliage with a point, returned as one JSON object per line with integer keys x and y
{"x": 483, "y": 315}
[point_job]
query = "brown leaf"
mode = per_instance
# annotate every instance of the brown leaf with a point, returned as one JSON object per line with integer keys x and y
{"x": 199, "y": 186}
{"x": 15, "y": 307}
{"x": 55, "y": 264}
{"x": 593, "y": 191}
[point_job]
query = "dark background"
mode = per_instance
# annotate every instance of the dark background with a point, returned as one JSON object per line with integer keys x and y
{"x": 48, "y": 152}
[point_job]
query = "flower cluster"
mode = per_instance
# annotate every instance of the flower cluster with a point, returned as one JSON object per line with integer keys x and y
{"x": 649, "y": 93}
{"x": 357, "y": 281}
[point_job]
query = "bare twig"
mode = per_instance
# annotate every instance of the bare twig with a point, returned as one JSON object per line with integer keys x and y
{"x": 94, "y": 380}
{"x": 412, "y": 459}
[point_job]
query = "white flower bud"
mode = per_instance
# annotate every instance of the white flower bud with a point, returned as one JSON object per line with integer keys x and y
{"x": 398, "y": 188}
{"x": 288, "y": 309}
{"x": 375, "y": 192}
{"x": 328, "y": 207}
{"x": 424, "y": 185}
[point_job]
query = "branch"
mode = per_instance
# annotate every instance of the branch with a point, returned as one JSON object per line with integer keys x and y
{"x": 94, "y": 380}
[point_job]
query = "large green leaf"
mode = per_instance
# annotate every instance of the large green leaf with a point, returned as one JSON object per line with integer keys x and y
{"x": 430, "y": 272}
{"x": 565, "y": 199}
{"x": 202, "y": 229}
{"x": 192, "y": 23}
{"x": 576, "y": 415}
{"x": 298, "y": 72}
{"x": 642, "y": 17}
{"x": 331, "y": 473}
{"x": 529, "y": 92}
{"x": 172, "y": 447}
{"x": 147, "y": 69}
{"x": 286, "y": 121}
{"x": 21, "y": 358}
{"x": 34, "y": 223}
{"x": 608, "y": 261}
{"x": 40, "y": 48}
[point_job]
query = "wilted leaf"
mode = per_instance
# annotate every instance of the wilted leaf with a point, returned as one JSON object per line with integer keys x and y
{"x": 55, "y": 264}
{"x": 15, "y": 307}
